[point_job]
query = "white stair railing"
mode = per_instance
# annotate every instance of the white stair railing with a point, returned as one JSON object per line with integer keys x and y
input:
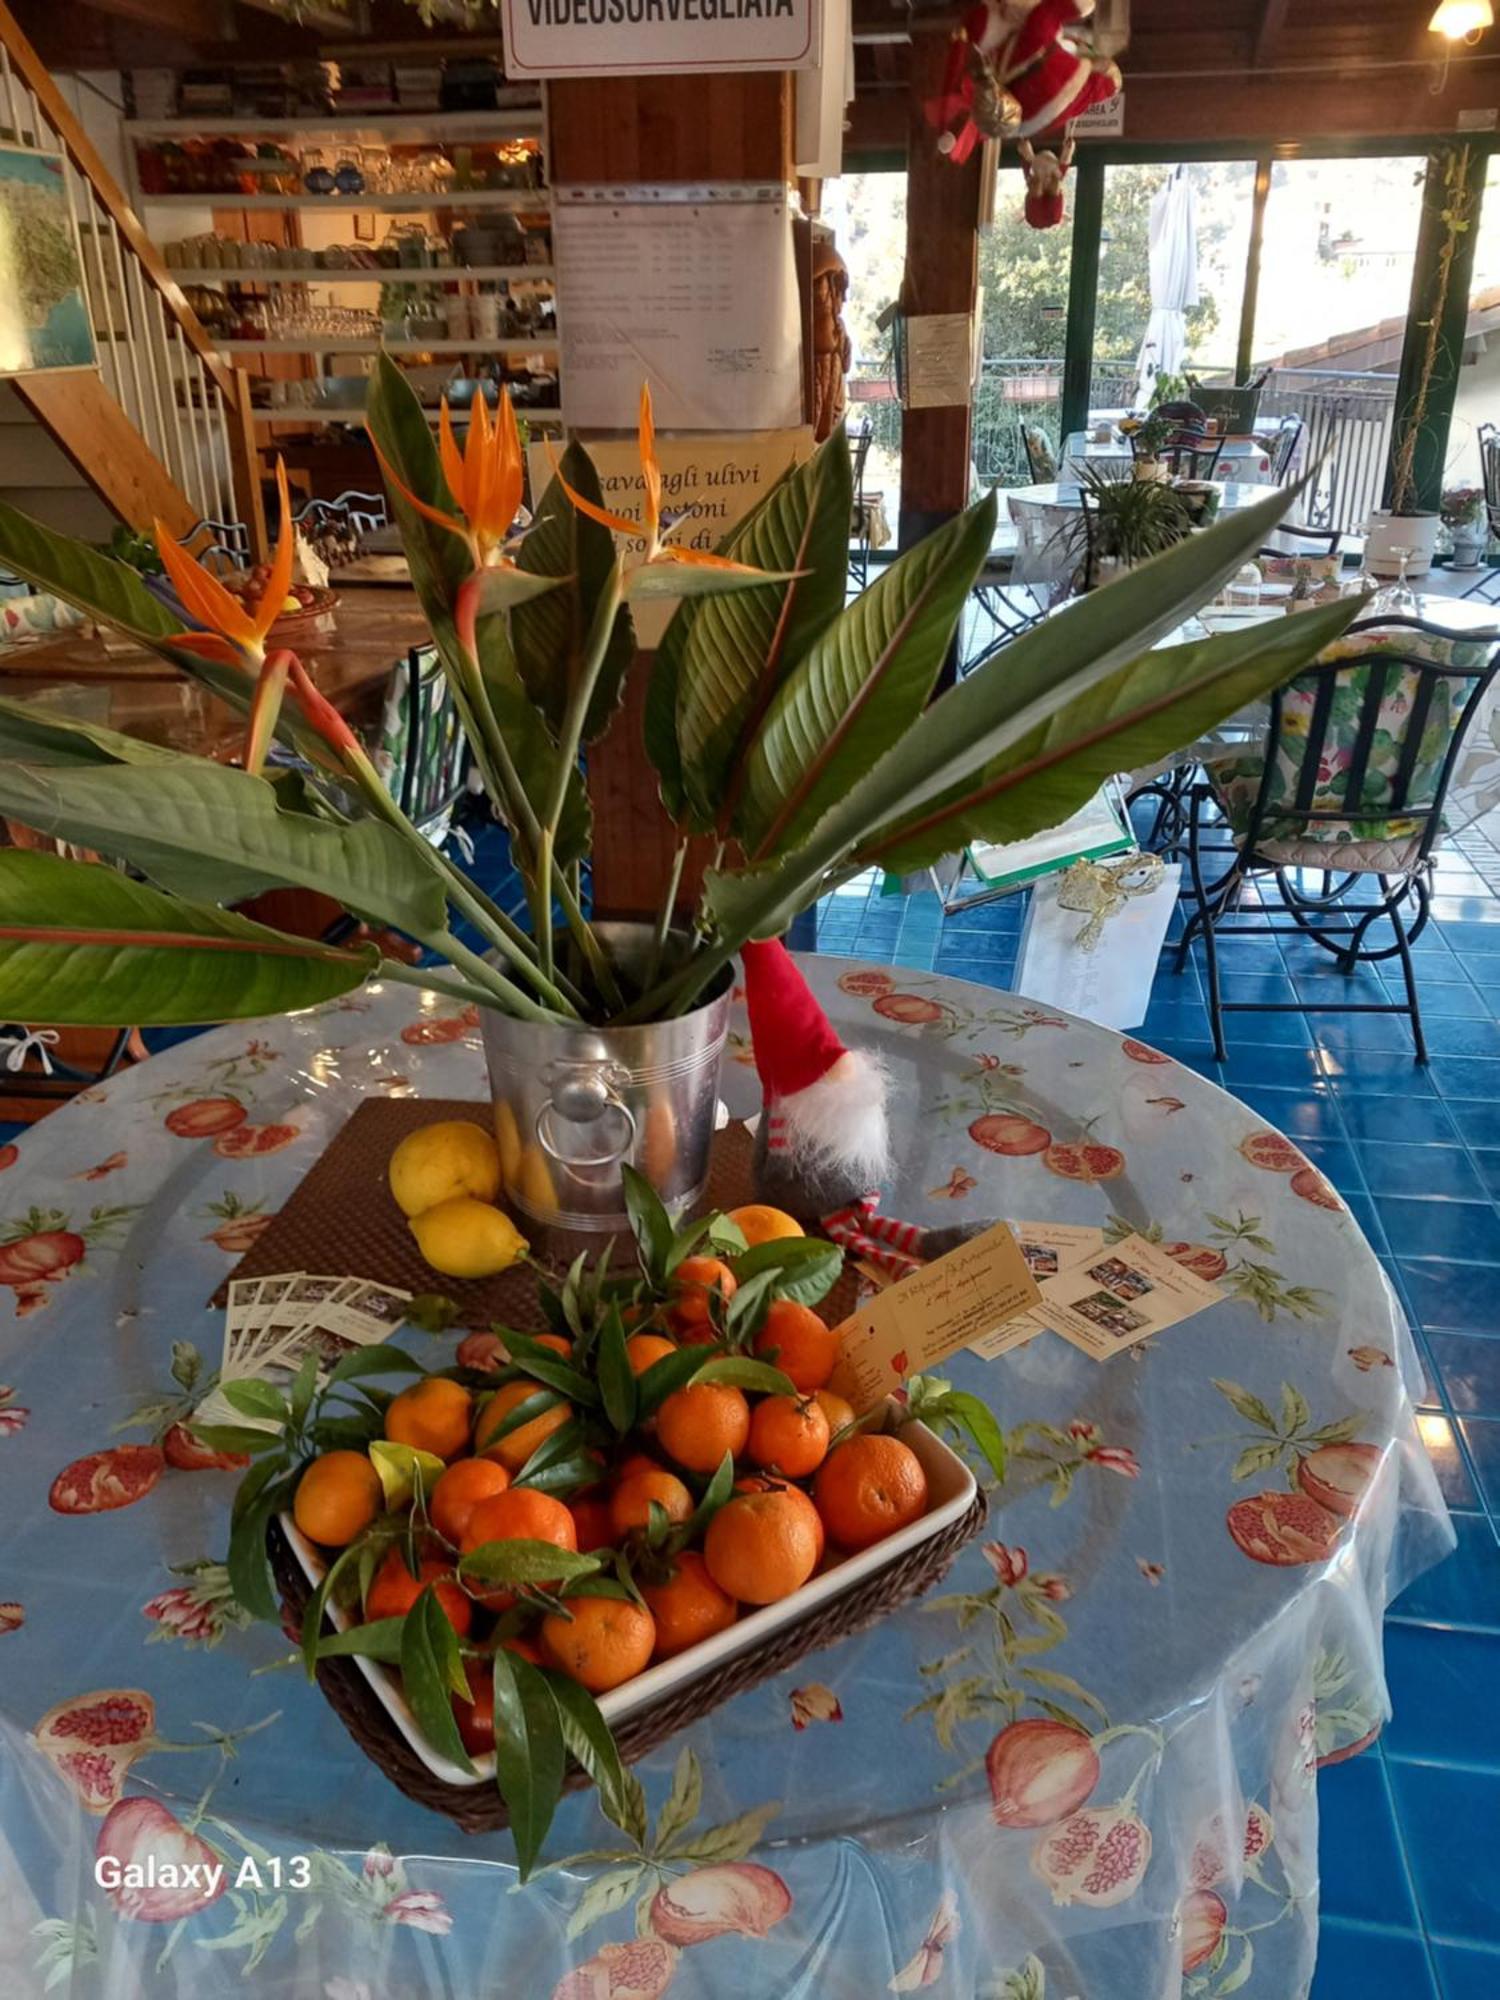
{"x": 188, "y": 404}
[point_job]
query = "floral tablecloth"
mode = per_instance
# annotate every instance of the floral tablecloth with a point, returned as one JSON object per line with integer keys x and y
{"x": 1084, "y": 1767}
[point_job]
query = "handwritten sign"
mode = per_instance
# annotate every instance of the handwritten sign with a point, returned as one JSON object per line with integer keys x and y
{"x": 643, "y": 37}
{"x": 718, "y": 478}
{"x": 949, "y": 1304}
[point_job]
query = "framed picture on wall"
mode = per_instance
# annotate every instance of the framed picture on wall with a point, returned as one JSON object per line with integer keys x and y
{"x": 44, "y": 318}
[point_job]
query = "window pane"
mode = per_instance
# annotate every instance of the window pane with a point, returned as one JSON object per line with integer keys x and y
{"x": 1023, "y": 276}
{"x": 1478, "y": 400}
{"x": 867, "y": 213}
{"x": 1205, "y": 337}
{"x": 1335, "y": 286}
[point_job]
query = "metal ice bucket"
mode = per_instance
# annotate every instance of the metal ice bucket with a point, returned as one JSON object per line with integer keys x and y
{"x": 574, "y": 1103}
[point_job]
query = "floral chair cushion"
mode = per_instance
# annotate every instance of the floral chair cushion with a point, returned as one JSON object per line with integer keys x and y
{"x": 1289, "y": 568}
{"x": 1366, "y": 843}
{"x": 1039, "y": 448}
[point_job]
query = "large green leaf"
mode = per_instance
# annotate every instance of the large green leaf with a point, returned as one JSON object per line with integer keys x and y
{"x": 440, "y": 565}
{"x": 862, "y": 685}
{"x": 32, "y": 733}
{"x": 550, "y": 633}
{"x": 219, "y": 834}
{"x": 1139, "y": 713}
{"x": 115, "y": 595}
{"x": 992, "y": 709}
{"x": 736, "y": 650}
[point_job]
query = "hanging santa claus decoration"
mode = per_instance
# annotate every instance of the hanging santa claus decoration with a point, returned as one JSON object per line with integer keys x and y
{"x": 1045, "y": 174}
{"x": 1016, "y": 70}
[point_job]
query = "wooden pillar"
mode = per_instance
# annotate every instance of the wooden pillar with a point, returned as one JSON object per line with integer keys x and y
{"x": 1083, "y": 292}
{"x": 621, "y": 130}
{"x": 942, "y": 275}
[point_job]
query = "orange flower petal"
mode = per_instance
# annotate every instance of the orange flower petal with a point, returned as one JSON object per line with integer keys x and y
{"x": 273, "y": 598}
{"x": 452, "y": 522}
{"x": 448, "y": 451}
{"x": 705, "y": 559}
{"x": 264, "y": 709}
{"x": 210, "y": 646}
{"x": 650, "y": 466}
{"x": 203, "y": 596}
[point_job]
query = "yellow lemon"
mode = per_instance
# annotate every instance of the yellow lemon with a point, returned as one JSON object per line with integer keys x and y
{"x": 508, "y": 1137}
{"x": 464, "y": 1238}
{"x": 436, "y": 1162}
{"x": 534, "y": 1182}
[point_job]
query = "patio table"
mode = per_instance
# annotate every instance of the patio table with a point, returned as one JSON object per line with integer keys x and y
{"x": 1246, "y": 457}
{"x": 1233, "y": 495}
{"x": 1084, "y": 1764}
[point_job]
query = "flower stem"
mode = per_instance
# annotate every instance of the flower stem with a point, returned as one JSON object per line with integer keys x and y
{"x": 494, "y": 983}
{"x": 431, "y": 981}
{"x": 664, "y": 917}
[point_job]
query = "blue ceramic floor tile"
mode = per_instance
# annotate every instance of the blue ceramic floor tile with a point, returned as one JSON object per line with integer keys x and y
{"x": 1465, "y": 1076}
{"x": 1478, "y": 1124}
{"x": 1339, "y": 1161}
{"x": 1427, "y": 1171}
{"x": 1468, "y": 1367}
{"x": 1456, "y": 1297}
{"x": 1487, "y": 1166}
{"x": 1442, "y": 1687}
{"x": 1449, "y": 1037}
{"x": 1346, "y": 1033}
{"x": 1279, "y": 1069}
{"x": 1462, "y": 1590}
{"x": 1304, "y": 1115}
{"x": 1359, "y": 1856}
{"x": 1468, "y": 1972}
{"x": 1278, "y": 1030}
{"x": 1449, "y": 1813}
{"x": 1481, "y": 1436}
{"x": 1376, "y": 1073}
{"x": 1257, "y": 986}
{"x": 1359, "y": 1964}
{"x": 1412, "y": 1121}
{"x": 1449, "y": 1462}
{"x": 1467, "y": 1230}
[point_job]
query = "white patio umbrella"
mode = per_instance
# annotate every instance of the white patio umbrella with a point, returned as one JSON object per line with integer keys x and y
{"x": 1174, "y": 279}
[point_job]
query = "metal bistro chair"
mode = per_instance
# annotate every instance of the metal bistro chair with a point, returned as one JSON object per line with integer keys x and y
{"x": 1310, "y": 544}
{"x": 859, "y": 526}
{"x": 1349, "y": 785}
{"x": 219, "y": 545}
{"x": 1192, "y": 457}
{"x": 1284, "y": 457}
{"x": 1041, "y": 459}
{"x": 1489, "y": 465}
{"x": 423, "y": 751}
{"x": 363, "y": 512}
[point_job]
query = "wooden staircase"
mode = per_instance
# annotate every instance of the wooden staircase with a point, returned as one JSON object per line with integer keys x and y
{"x": 163, "y": 426}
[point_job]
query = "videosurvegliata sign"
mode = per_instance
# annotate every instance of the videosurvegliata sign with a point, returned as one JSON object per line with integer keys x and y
{"x": 651, "y": 37}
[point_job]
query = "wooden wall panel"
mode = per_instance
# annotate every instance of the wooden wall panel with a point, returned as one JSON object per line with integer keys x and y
{"x": 672, "y": 128}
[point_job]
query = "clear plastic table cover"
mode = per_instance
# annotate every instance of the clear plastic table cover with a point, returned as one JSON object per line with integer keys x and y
{"x": 1085, "y": 1766}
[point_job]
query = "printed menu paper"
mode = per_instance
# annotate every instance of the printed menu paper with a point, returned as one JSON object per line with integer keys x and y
{"x": 921, "y": 1321}
{"x": 1130, "y": 1292}
{"x": 1050, "y": 1248}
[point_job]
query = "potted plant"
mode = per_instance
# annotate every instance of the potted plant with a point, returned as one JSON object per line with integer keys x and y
{"x": 1148, "y": 436}
{"x": 798, "y": 732}
{"x": 1402, "y": 537}
{"x": 1465, "y": 517}
{"x": 1128, "y": 521}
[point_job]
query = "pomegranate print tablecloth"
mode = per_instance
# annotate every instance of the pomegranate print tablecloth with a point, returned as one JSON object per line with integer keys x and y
{"x": 1084, "y": 1769}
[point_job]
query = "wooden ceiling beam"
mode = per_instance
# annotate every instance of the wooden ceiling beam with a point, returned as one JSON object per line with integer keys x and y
{"x": 1268, "y": 32}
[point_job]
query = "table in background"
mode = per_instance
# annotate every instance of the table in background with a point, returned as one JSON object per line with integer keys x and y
{"x": 1247, "y": 458}
{"x": 350, "y": 652}
{"x": 1143, "y": 1576}
{"x": 1234, "y": 494}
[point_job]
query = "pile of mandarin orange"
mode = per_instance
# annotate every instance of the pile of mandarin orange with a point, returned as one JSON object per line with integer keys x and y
{"x": 808, "y": 1488}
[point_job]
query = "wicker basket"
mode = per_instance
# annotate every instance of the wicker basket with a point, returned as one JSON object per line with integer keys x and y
{"x": 480, "y": 1809}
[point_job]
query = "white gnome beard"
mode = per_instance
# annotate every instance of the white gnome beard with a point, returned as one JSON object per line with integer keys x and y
{"x": 836, "y": 1128}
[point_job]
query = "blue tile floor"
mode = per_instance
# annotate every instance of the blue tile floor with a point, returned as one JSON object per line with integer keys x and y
{"x": 1411, "y": 1830}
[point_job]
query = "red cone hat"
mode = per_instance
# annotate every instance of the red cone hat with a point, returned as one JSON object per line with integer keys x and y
{"x": 824, "y": 1103}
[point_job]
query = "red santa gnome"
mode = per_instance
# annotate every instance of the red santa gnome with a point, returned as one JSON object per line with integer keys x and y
{"x": 1016, "y": 70}
{"x": 822, "y": 1147}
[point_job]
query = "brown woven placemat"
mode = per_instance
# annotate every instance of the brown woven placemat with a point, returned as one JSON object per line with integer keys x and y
{"x": 342, "y": 1222}
{"x": 480, "y": 1809}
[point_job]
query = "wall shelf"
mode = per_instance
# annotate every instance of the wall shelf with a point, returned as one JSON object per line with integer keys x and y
{"x": 334, "y": 344}
{"x": 371, "y": 127}
{"x": 394, "y": 274}
{"x": 527, "y": 201}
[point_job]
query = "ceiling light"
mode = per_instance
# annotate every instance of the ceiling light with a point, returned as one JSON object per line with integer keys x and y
{"x": 1462, "y": 20}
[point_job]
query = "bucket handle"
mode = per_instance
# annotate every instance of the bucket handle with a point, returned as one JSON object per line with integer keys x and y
{"x": 542, "y": 1126}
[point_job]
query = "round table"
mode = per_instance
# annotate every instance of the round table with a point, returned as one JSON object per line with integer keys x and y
{"x": 1247, "y": 457}
{"x": 1160, "y": 1634}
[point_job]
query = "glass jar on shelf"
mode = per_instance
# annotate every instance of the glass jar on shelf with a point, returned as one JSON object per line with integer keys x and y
{"x": 348, "y": 179}
{"x": 317, "y": 175}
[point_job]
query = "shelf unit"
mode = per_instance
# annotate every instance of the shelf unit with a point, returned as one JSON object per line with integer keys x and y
{"x": 395, "y": 274}
{"x": 336, "y": 344}
{"x": 369, "y": 127}
{"x": 525, "y": 201}
{"x": 361, "y": 128}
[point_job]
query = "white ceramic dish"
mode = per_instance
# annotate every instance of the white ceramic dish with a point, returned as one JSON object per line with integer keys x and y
{"x": 950, "y": 1487}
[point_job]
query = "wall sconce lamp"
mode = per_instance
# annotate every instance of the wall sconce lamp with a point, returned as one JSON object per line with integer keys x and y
{"x": 1462, "y": 20}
